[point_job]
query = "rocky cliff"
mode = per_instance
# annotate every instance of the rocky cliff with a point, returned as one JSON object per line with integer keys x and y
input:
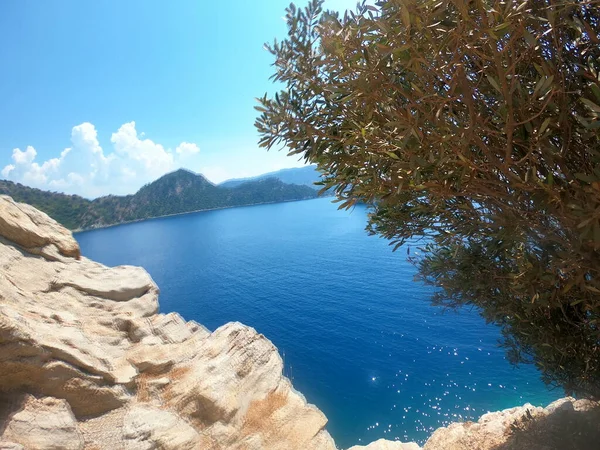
{"x": 87, "y": 362}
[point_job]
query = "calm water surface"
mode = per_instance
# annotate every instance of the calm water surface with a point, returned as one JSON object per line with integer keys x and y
{"x": 358, "y": 335}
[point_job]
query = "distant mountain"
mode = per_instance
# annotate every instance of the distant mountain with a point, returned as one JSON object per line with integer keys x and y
{"x": 177, "y": 192}
{"x": 306, "y": 176}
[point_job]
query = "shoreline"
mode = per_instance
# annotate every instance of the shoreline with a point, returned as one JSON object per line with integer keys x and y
{"x": 101, "y": 227}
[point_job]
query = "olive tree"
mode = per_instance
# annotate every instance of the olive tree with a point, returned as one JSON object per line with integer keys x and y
{"x": 475, "y": 126}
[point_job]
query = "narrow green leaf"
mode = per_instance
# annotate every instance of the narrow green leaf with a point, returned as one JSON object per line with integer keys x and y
{"x": 529, "y": 38}
{"x": 545, "y": 124}
{"x": 494, "y": 83}
{"x": 592, "y": 289}
{"x": 590, "y": 104}
{"x": 585, "y": 177}
{"x": 502, "y": 26}
{"x": 596, "y": 90}
{"x": 405, "y": 16}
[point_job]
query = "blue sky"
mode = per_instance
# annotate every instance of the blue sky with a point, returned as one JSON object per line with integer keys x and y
{"x": 101, "y": 97}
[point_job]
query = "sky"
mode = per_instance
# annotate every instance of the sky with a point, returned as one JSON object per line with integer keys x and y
{"x": 102, "y": 97}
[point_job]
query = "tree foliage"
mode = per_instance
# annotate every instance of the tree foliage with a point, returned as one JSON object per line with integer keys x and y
{"x": 474, "y": 124}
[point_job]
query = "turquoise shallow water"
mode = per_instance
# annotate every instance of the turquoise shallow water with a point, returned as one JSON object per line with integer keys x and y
{"x": 358, "y": 335}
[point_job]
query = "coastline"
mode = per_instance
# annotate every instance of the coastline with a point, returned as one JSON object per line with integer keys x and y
{"x": 101, "y": 227}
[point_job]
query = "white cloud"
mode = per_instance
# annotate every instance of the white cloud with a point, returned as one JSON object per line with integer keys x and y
{"x": 187, "y": 148}
{"x": 85, "y": 168}
{"x": 24, "y": 168}
{"x": 25, "y": 157}
{"x": 7, "y": 170}
{"x": 155, "y": 160}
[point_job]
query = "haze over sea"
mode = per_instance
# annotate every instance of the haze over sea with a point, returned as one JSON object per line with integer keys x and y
{"x": 358, "y": 335}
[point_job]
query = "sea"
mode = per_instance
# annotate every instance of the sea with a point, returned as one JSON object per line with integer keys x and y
{"x": 358, "y": 335}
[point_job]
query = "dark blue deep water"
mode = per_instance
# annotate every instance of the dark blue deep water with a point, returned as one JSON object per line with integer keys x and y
{"x": 358, "y": 335}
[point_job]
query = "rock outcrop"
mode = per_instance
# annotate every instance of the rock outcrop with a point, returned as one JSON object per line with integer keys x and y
{"x": 383, "y": 444}
{"x": 565, "y": 424}
{"x": 87, "y": 362}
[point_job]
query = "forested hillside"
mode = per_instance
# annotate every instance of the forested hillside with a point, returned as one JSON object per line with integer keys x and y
{"x": 178, "y": 192}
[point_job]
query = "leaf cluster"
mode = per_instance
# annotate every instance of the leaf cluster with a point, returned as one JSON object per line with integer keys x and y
{"x": 475, "y": 125}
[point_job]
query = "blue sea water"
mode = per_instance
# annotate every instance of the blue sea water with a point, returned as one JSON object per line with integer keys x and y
{"x": 358, "y": 335}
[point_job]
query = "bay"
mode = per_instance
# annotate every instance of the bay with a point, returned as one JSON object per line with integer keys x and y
{"x": 357, "y": 334}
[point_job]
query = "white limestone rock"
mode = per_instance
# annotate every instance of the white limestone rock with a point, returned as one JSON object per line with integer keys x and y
{"x": 383, "y": 444}
{"x": 42, "y": 424}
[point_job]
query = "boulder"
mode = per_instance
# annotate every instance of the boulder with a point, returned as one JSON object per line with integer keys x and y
{"x": 30, "y": 228}
{"x": 46, "y": 424}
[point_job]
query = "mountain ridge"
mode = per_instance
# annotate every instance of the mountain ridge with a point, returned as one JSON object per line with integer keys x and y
{"x": 178, "y": 192}
{"x": 306, "y": 176}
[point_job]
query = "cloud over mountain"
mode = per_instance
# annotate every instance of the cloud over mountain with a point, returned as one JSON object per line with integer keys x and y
{"x": 85, "y": 168}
